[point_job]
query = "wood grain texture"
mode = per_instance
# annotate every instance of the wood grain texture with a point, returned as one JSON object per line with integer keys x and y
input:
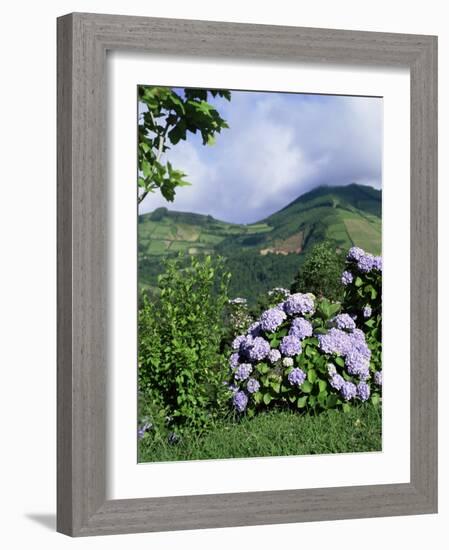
{"x": 83, "y": 40}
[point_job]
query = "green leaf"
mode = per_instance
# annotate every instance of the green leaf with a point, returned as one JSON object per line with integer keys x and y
{"x": 178, "y": 133}
{"x": 375, "y": 399}
{"x": 302, "y": 401}
{"x": 141, "y": 182}
{"x": 333, "y": 309}
{"x": 339, "y": 361}
{"x": 372, "y": 291}
{"x": 322, "y": 398}
{"x": 332, "y": 400}
{"x": 309, "y": 351}
{"x": 263, "y": 368}
{"x": 306, "y": 386}
{"x": 322, "y": 385}
{"x": 267, "y": 399}
{"x": 257, "y": 397}
{"x": 346, "y": 407}
{"x": 358, "y": 282}
{"x": 146, "y": 168}
{"x": 311, "y": 375}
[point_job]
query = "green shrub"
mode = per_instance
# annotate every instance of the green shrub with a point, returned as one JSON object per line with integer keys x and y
{"x": 181, "y": 372}
{"x": 321, "y": 272}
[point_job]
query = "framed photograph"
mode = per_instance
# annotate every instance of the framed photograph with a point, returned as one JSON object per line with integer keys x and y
{"x": 247, "y": 274}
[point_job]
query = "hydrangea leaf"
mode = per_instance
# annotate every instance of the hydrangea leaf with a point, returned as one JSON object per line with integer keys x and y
{"x": 302, "y": 401}
{"x": 306, "y": 386}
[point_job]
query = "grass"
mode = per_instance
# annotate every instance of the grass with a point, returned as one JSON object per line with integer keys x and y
{"x": 275, "y": 433}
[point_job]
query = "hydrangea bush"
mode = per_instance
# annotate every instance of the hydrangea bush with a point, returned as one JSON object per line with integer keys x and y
{"x": 305, "y": 353}
{"x": 362, "y": 279}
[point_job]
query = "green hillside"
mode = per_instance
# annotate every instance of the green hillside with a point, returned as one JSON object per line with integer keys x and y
{"x": 267, "y": 253}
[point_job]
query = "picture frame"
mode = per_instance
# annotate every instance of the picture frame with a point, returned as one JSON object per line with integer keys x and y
{"x": 83, "y": 40}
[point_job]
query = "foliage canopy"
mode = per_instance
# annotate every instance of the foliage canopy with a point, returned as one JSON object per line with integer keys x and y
{"x": 321, "y": 272}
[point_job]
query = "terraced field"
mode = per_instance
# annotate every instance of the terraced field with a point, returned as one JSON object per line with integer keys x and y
{"x": 168, "y": 235}
{"x": 365, "y": 233}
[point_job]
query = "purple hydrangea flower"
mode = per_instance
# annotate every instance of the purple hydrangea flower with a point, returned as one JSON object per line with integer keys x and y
{"x": 272, "y": 318}
{"x": 255, "y": 349}
{"x": 348, "y": 391}
{"x": 378, "y": 378}
{"x": 236, "y": 343}
{"x": 301, "y": 328}
{"x": 363, "y": 391}
{"x": 252, "y": 385}
{"x": 367, "y": 311}
{"x": 355, "y": 253}
{"x": 287, "y": 362}
{"x": 351, "y": 346}
{"x": 296, "y": 377}
{"x": 240, "y": 401}
{"x": 344, "y": 322}
{"x": 290, "y": 346}
{"x": 366, "y": 263}
{"x": 356, "y": 363}
{"x": 358, "y": 335}
{"x": 246, "y": 344}
{"x": 243, "y": 371}
{"x": 335, "y": 341}
{"x": 254, "y": 330}
{"x": 274, "y": 355}
{"x": 364, "y": 374}
{"x": 346, "y": 278}
{"x": 361, "y": 347}
{"x": 377, "y": 263}
{"x": 234, "y": 361}
{"x": 336, "y": 381}
{"x": 299, "y": 304}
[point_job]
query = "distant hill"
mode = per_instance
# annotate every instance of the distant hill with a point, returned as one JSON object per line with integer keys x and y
{"x": 271, "y": 249}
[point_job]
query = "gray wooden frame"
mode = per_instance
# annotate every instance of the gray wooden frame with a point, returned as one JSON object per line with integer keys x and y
{"x": 83, "y": 40}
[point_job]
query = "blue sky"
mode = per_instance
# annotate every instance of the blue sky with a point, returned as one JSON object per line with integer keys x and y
{"x": 278, "y": 146}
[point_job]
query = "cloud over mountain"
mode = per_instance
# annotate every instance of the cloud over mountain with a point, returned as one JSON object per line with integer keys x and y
{"x": 278, "y": 146}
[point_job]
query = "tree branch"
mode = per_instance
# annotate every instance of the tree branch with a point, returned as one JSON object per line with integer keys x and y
{"x": 160, "y": 150}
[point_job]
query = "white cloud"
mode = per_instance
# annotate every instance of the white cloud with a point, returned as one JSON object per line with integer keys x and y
{"x": 185, "y": 157}
{"x": 278, "y": 147}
